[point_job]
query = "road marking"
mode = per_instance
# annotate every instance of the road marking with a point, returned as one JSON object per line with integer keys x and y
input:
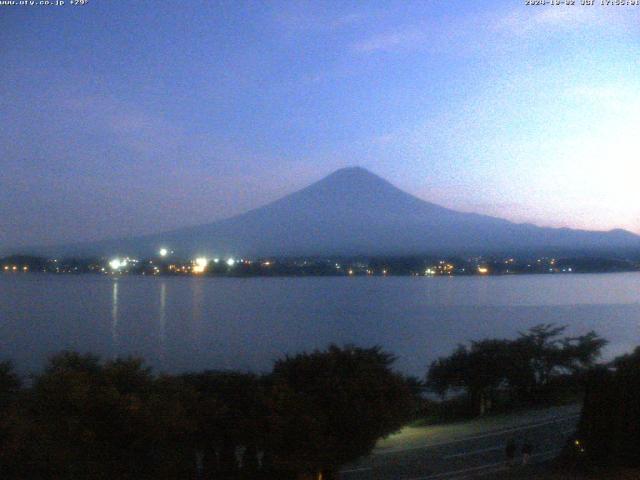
{"x": 477, "y": 437}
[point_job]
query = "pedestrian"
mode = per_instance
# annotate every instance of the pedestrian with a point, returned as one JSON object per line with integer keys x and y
{"x": 526, "y": 452}
{"x": 510, "y": 452}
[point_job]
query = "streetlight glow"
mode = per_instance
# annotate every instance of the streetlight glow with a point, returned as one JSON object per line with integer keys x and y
{"x": 116, "y": 263}
{"x": 200, "y": 265}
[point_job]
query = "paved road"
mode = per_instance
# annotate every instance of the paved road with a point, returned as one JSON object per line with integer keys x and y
{"x": 464, "y": 450}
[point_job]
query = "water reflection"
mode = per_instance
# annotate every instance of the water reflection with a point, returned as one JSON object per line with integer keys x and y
{"x": 163, "y": 320}
{"x": 196, "y": 312}
{"x": 114, "y": 319}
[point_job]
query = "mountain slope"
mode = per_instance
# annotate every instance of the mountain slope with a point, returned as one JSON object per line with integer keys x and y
{"x": 353, "y": 211}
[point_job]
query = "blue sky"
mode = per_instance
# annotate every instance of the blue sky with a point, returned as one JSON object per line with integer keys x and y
{"x": 123, "y": 118}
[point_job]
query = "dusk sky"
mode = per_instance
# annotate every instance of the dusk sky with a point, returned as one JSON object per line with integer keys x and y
{"x": 123, "y": 118}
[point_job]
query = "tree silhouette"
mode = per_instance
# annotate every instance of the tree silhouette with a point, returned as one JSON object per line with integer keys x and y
{"x": 609, "y": 428}
{"x": 329, "y": 407}
{"x": 521, "y": 368}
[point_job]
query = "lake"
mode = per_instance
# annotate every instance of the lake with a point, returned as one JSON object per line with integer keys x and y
{"x": 194, "y": 323}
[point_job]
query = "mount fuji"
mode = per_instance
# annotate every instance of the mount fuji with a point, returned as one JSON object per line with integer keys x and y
{"x": 354, "y": 212}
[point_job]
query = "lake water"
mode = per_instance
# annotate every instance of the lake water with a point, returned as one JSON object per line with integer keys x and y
{"x": 186, "y": 323}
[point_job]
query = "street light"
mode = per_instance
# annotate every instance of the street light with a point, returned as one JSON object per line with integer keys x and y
{"x": 116, "y": 264}
{"x": 200, "y": 265}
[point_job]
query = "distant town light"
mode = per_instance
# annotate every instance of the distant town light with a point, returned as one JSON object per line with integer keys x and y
{"x": 116, "y": 263}
{"x": 201, "y": 261}
{"x": 231, "y": 262}
{"x": 483, "y": 270}
{"x": 200, "y": 265}
{"x": 216, "y": 260}
{"x": 163, "y": 252}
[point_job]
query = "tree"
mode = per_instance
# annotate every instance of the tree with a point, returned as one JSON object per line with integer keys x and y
{"x": 231, "y": 417}
{"x": 522, "y": 368}
{"x": 86, "y": 420}
{"x": 579, "y": 354}
{"x": 9, "y": 385}
{"x": 330, "y": 407}
{"x": 448, "y": 373}
{"x": 480, "y": 370}
{"x": 9, "y": 391}
{"x": 609, "y": 427}
{"x": 542, "y": 348}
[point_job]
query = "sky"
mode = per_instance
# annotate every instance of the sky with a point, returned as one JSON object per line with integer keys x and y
{"x": 126, "y": 118}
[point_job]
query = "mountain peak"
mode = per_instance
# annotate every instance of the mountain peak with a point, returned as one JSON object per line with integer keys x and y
{"x": 353, "y": 179}
{"x": 352, "y": 173}
{"x": 353, "y": 187}
{"x": 352, "y": 170}
{"x": 353, "y": 211}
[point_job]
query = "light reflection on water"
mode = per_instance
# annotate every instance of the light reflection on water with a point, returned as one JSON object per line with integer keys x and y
{"x": 114, "y": 318}
{"x": 180, "y": 323}
{"x": 162, "y": 318}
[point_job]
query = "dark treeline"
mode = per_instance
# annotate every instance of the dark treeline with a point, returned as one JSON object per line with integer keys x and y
{"x": 82, "y": 418}
{"x": 86, "y": 419}
{"x": 538, "y": 367}
{"x": 609, "y": 429}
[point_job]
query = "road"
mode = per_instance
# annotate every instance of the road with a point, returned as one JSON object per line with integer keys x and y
{"x": 467, "y": 449}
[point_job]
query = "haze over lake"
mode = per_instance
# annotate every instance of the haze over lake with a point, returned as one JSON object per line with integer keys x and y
{"x": 180, "y": 324}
